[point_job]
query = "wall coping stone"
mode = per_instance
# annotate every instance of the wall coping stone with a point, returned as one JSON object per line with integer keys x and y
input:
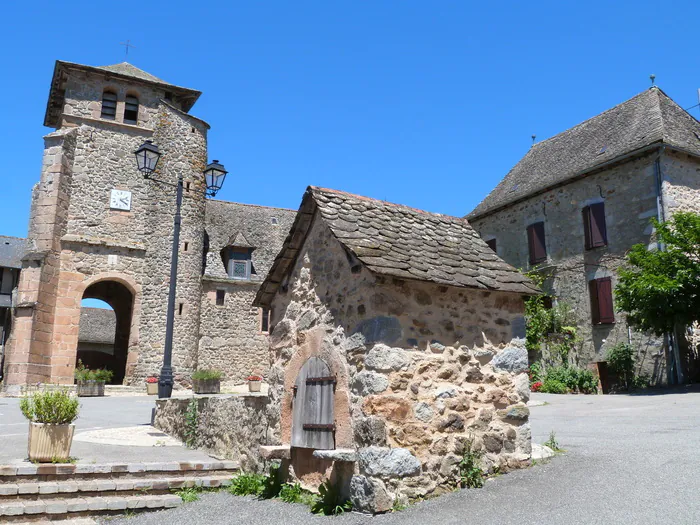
{"x": 102, "y": 241}
{"x": 229, "y": 280}
{"x": 113, "y": 123}
{"x": 347, "y": 455}
{"x": 275, "y": 451}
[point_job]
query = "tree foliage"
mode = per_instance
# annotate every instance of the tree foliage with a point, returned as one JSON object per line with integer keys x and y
{"x": 660, "y": 289}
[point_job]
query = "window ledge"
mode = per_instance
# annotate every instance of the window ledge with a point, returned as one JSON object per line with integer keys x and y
{"x": 108, "y": 122}
{"x": 230, "y": 280}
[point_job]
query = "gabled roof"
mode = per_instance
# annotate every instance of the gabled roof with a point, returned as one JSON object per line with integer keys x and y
{"x": 11, "y": 251}
{"x": 390, "y": 239}
{"x": 238, "y": 240}
{"x": 124, "y": 71}
{"x": 97, "y": 325}
{"x": 645, "y": 121}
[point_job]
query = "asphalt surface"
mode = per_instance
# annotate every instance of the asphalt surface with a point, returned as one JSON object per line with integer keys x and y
{"x": 95, "y": 413}
{"x": 628, "y": 460}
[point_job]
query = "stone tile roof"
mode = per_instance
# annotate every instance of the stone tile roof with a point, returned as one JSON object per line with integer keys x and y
{"x": 128, "y": 70}
{"x": 390, "y": 239}
{"x": 11, "y": 251}
{"x": 245, "y": 226}
{"x": 646, "y": 120}
{"x": 97, "y": 325}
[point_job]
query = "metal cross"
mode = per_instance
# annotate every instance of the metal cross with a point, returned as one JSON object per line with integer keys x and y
{"x": 127, "y": 45}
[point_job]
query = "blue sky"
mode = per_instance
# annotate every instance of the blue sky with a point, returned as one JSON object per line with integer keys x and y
{"x": 428, "y": 104}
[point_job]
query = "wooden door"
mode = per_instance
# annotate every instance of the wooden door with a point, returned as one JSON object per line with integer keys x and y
{"x": 313, "y": 420}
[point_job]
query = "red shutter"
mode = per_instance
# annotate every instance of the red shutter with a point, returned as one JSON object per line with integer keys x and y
{"x": 594, "y": 225}
{"x": 492, "y": 244}
{"x": 536, "y": 243}
{"x": 602, "y": 311}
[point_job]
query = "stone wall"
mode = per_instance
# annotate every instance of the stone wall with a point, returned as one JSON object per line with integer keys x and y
{"x": 681, "y": 183}
{"x": 421, "y": 369}
{"x": 215, "y": 432}
{"x": 629, "y": 193}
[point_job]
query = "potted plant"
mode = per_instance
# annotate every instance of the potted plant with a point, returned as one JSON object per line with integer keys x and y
{"x": 206, "y": 381}
{"x": 254, "y": 383}
{"x": 51, "y": 415}
{"x": 90, "y": 383}
{"x": 152, "y": 385}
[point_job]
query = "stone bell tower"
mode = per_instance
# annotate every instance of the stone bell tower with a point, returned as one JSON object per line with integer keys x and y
{"x": 99, "y": 230}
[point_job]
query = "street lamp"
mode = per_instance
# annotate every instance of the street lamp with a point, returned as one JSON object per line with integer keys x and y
{"x": 147, "y": 157}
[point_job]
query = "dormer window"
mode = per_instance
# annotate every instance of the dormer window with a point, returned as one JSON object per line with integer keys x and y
{"x": 131, "y": 110}
{"x": 109, "y": 105}
{"x": 239, "y": 263}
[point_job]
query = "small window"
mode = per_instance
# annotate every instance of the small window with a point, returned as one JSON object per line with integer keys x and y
{"x": 109, "y": 105}
{"x": 536, "y": 243}
{"x": 594, "y": 226}
{"x": 220, "y": 297}
{"x": 239, "y": 263}
{"x": 180, "y": 307}
{"x": 601, "y": 301}
{"x": 492, "y": 244}
{"x": 186, "y": 246}
{"x": 131, "y": 110}
{"x": 265, "y": 320}
{"x": 274, "y": 220}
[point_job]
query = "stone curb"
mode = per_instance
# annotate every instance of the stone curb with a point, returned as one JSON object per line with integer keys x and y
{"x": 92, "y": 504}
{"x": 107, "y": 468}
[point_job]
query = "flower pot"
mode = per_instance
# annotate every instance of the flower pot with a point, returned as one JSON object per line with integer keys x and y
{"x": 206, "y": 386}
{"x": 152, "y": 389}
{"x": 90, "y": 388}
{"x": 254, "y": 386}
{"x": 49, "y": 442}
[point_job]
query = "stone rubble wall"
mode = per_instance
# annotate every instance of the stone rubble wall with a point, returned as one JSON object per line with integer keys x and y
{"x": 428, "y": 368}
{"x": 629, "y": 193}
{"x": 230, "y": 427}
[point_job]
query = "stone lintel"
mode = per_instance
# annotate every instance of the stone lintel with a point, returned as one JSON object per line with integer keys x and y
{"x": 102, "y": 241}
{"x": 275, "y": 451}
{"x": 229, "y": 280}
{"x": 347, "y": 455}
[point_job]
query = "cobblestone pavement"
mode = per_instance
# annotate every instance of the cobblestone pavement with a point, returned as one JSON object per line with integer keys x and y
{"x": 629, "y": 459}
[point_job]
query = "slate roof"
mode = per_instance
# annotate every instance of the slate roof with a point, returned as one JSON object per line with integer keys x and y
{"x": 395, "y": 240}
{"x": 645, "y": 121}
{"x": 245, "y": 226}
{"x": 11, "y": 251}
{"x": 128, "y": 72}
{"x": 97, "y": 325}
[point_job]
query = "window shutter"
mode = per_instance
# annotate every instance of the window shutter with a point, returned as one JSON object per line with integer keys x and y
{"x": 594, "y": 225}
{"x": 587, "y": 226}
{"x": 492, "y": 244}
{"x": 602, "y": 311}
{"x": 536, "y": 243}
{"x": 313, "y": 420}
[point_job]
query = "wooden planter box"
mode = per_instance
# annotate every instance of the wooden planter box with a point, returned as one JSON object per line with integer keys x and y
{"x": 254, "y": 386}
{"x": 206, "y": 386}
{"x": 49, "y": 442}
{"x": 152, "y": 389}
{"x": 90, "y": 388}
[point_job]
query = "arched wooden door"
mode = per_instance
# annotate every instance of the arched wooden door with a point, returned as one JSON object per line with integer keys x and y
{"x": 313, "y": 419}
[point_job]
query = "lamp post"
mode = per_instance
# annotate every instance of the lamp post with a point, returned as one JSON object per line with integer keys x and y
{"x": 147, "y": 157}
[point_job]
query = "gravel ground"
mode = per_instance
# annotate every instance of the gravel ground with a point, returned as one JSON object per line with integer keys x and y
{"x": 628, "y": 459}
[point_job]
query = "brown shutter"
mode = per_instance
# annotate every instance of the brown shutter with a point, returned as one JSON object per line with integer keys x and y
{"x": 587, "y": 226}
{"x": 602, "y": 311}
{"x": 536, "y": 243}
{"x": 594, "y": 225}
{"x": 492, "y": 244}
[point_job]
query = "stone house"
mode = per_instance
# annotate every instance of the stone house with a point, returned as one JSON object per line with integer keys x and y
{"x": 99, "y": 230}
{"x": 576, "y": 202}
{"x": 98, "y": 326}
{"x": 396, "y": 339}
{"x": 11, "y": 251}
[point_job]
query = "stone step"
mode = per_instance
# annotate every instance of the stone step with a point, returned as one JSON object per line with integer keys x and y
{"x": 54, "y": 472}
{"x": 70, "y": 488}
{"x": 64, "y": 508}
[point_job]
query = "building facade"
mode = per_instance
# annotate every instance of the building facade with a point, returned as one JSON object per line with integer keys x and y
{"x": 576, "y": 203}
{"x": 11, "y": 251}
{"x": 99, "y": 230}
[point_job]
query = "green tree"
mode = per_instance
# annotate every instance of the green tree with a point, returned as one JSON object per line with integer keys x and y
{"x": 660, "y": 289}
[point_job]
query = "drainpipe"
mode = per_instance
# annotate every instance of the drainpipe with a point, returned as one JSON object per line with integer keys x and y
{"x": 669, "y": 338}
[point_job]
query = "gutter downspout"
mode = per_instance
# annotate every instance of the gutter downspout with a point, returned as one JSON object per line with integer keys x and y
{"x": 674, "y": 364}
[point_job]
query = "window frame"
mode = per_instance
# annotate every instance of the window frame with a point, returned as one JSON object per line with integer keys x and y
{"x": 264, "y": 320}
{"x": 103, "y": 114}
{"x": 134, "y": 112}
{"x": 532, "y": 237}
{"x": 494, "y": 246}
{"x": 220, "y": 299}
{"x": 602, "y": 312}
{"x": 594, "y": 215}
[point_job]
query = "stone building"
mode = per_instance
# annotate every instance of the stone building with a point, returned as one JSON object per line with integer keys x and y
{"x": 11, "y": 251}
{"x": 575, "y": 203}
{"x": 396, "y": 338}
{"x": 99, "y": 230}
{"x": 98, "y": 326}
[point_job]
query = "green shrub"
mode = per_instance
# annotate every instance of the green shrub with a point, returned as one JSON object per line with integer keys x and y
{"x": 247, "y": 485}
{"x": 552, "y": 442}
{"x": 55, "y": 407}
{"x": 470, "y": 473}
{"x": 573, "y": 379}
{"x": 552, "y": 386}
{"x": 189, "y": 494}
{"x": 191, "y": 423}
{"x": 620, "y": 360}
{"x": 206, "y": 374}
{"x": 83, "y": 373}
{"x": 330, "y": 502}
{"x": 293, "y": 493}
{"x": 272, "y": 483}
{"x": 641, "y": 381}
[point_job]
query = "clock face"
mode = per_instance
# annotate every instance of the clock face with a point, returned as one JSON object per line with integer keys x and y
{"x": 120, "y": 200}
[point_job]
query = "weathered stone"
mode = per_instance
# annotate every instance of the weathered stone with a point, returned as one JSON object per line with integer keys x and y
{"x": 307, "y": 320}
{"x": 511, "y": 359}
{"x": 388, "y": 462}
{"x": 275, "y": 451}
{"x": 423, "y": 412}
{"x": 391, "y": 407}
{"x": 385, "y": 359}
{"x": 366, "y": 383}
{"x": 453, "y": 422}
{"x": 437, "y": 347}
{"x": 353, "y": 343}
{"x": 342, "y": 455}
{"x": 522, "y": 387}
{"x": 493, "y": 442}
{"x": 483, "y": 355}
{"x": 282, "y": 335}
{"x": 518, "y": 412}
{"x": 370, "y": 431}
{"x": 380, "y": 329}
{"x": 444, "y": 392}
{"x": 369, "y": 495}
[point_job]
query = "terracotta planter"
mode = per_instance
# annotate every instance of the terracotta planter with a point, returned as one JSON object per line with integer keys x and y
{"x": 206, "y": 386}
{"x": 49, "y": 442}
{"x": 254, "y": 386}
{"x": 152, "y": 389}
{"x": 90, "y": 388}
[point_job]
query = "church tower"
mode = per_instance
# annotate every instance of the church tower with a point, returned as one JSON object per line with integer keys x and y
{"x": 99, "y": 230}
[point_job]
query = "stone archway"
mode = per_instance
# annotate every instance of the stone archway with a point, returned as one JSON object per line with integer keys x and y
{"x": 121, "y": 299}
